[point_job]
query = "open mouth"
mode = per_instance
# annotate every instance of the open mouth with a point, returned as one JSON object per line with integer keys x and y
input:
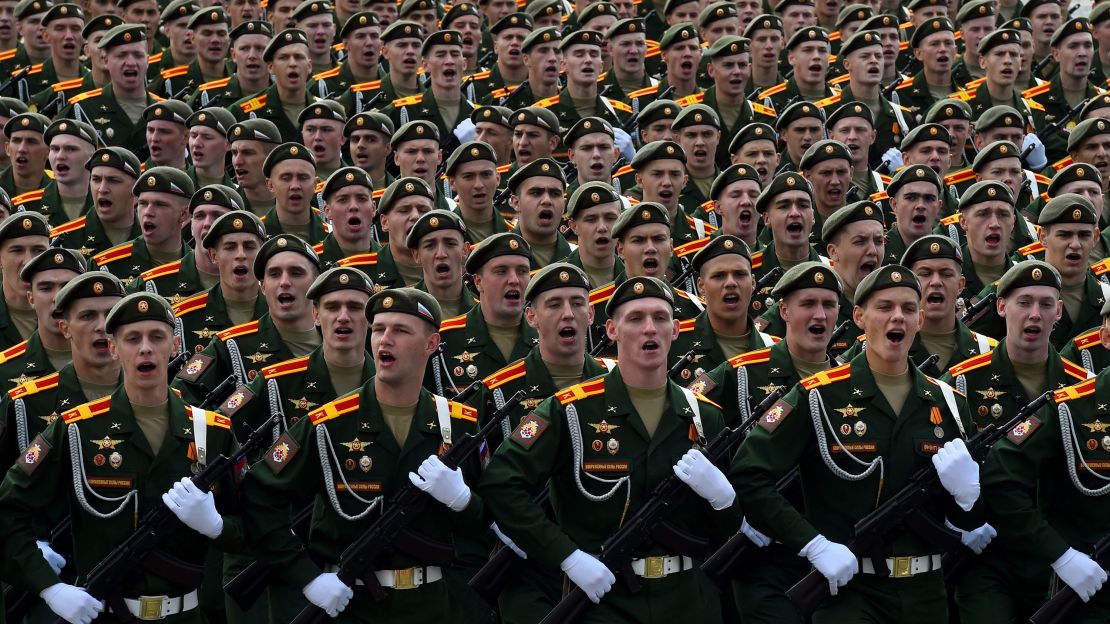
{"x": 295, "y": 197}
{"x": 240, "y": 271}
{"x": 354, "y": 223}
{"x": 1073, "y": 258}
{"x": 994, "y": 240}
{"x": 513, "y": 296}
{"x": 867, "y": 266}
{"x": 343, "y": 331}
{"x": 895, "y": 336}
{"x": 450, "y": 74}
{"x": 146, "y": 367}
{"x": 1031, "y": 332}
{"x": 149, "y": 227}
{"x": 686, "y": 66}
{"x": 935, "y": 299}
{"x": 731, "y": 300}
{"x": 546, "y": 217}
{"x": 103, "y": 205}
{"x": 650, "y": 346}
{"x": 61, "y": 169}
{"x": 651, "y": 265}
{"x": 918, "y": 219}
{"x": 442, "y": 269}
{"x": 817, "y": 330}
{"x": 130, "y": 73}
{"x": 100, "y": 345}
{"x": 700, "y": 153}
{"x": 568, "y": 333}
{"x": 286, "y": 299}
{"x": 385, "y": 357}
{"x": 666, "y": 195}
{"x": 602, "y": 241}
{"x": 794, "y": 229}
{"x": 816, "y": 68}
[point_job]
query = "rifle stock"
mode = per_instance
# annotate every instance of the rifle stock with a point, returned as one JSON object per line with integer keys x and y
{"x": 984, "y": 303}
{"x": 900, "y": 510}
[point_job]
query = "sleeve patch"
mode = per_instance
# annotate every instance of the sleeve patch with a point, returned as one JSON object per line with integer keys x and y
{"x": 1021, "y": 433}
{"x": 37, "y": 451}
{"x": 194, "y": 367}
{"x": 774, "y": 416}
{"x": 237, "y": 400}
{"x": 529, "y": 430}
{"x": 281, "y": 453}
{"x": 701, "y": 384}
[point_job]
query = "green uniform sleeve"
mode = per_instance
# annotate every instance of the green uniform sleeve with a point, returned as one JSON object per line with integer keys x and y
{"x": 194, "y": 388}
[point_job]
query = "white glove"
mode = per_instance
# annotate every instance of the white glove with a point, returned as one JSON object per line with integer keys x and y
{"x": 585, "y": 571}
{"x": 832, "y": 560}
{"x": 1080, "y": 572}
{"x": 508, "y": 542}
{"x": 706, "y": 480}
{"x": 754, "y": 536}
{"x": 893, "y": 156}
{"x": 194, "y": 508}
{"x": 444, "y": 485}
{"x": 623, "y": 141}
{"x": 329, "y": 593}
{"x": 56, "y": 561}
{"x": 976, "y": 539}
{"x": 1037, "y": 159}
{"x": 959, "y": 474}
{"x": 72, "y": 604}
{"x": 466, "y": 131}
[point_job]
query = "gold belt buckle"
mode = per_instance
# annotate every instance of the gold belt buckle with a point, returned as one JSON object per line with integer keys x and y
{"x": 902, "y": 568}
{"x": 404, "y": 579}
{"x": 150, "y": 607}
{"x": 653, "y": 567}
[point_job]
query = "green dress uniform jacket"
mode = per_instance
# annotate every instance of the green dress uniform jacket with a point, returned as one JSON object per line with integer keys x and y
{"x": 980, "y": 100}
{"x": 361, "y": 461}
{"x": 50, "y": 204}
{"x": 563, "y": 248}
{"x": 204, "y": 315}
{"x": 498, "y": 224}
{"x": 330, "y": 253}
{"x": 1094, "y": 295}
{"x": 697, "y": 335}
{"x": 961, "y": 75}
{"x": 9, "y": 334}
{"x": 7, "y": 182}
{"x": 333, "y": 82}
{"x": 892, "y": 121}
{"x": 240, "y": 350}
{"x": 316, "y": 228}
{"x": 187, "y": 78}
{"x": 749, "y": 112}
{"x": 267, "y": 105}
{"x": 1051, "y": 97}
{"x": 575, "y": 258}
{"x": 114, "y": 459}
{"x": 24, "y": 362}
{"x": 62, "y": 91}
{"x": 777, "y": 96}
{"x": 220, "y": 92}
{"x": 968, "y": 344}
{"x": 1087, "y": 351}
{"x": 858, "y": 420}
{"x": 973, "y": 284}
{"x": 771, "y": 322}
{"x": 43, "y": 76}
{"x": 467, "y": 353}
{"x": 686, "y": 306}
{"x": 914, "y": 95}
{"x": 128, "y": 261}
{"x": 379, "y": 265}
{"x": 100, "y": 109}
{"x": 357, "y": 97}
{"x": 613, "y": 111}
{"x": 1031, "y": 483}
{"x": 176, "y": 281}
{"x": 614, "y": 446}
{"x": 87, "y": 235}
{"x": 423, "y": 106}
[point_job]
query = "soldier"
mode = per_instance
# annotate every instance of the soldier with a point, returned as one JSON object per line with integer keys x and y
{"x": 929, "y": 145}
{"x": 32, "y": 48}
{"x": 250, "y": 143}
{"x": 67, "y": 196}
{"x": 716, "y": 21}
{"x": 96, "y": 75}
{"x": 367, "y": 135}
{"x": 400, "y": 49}
{"x": 579, "y": 98}
{"x": 538, "y": 197}
{"x": 986, "y": 218}
{"x": 786, "y": 209}
{"x": 472, "y": 172}
{"x": 1084, "y": 180}
{"x": 697, "y": 131}
{"x": 507, "y": 35}
{"x": 231, "y": 244}
{"x": 286, "y": 267}
{"x": 725, "y": 328}
{"x": 349, "y": 207}
{"x": 466, "y": 19}
{"x": 853, "y": 125}
{"x": 290, "y": 172}
{"x": 438, "y": 245}
{"x": 115, "y": 111}
{"x": 249, "y": 40}
{"x": 1072, "y": 50}
{"x": 321, "y": 131}
{"x": 1000, "y": 55}
{"x": 536, "y": 133}
{"x": 166, "y": 134}
{"x": 799, "y": 126}
{"x": 592, "y": 213}
{"x": 194, "y": 272}
{"x": 827, "y": 165}
{"x": 660, "y": 177}
{"x": 1001, "y": 162}
{"x": 756, "y": 144}
{"x": 955, "y": 116}
{"x": 726, "y": 96}
{"x": 317, "y": 20}
{"x": 637, "y": 407}
{"x": 287, "y": 59}
{"x": 45, "y": 350}
{"x": 628, "y": 78}
{"x": 492, "y": 126}
{"x": 181, "y": 49}
{"x": 400, "y": 206}
{"x": 807, "y": 52}
{"x": 208, "y": 146}
{"x": 208, "y": 31}
{"x": 417, "y": 153}
{"x": 934, "y": 46}
{"x": 998, "y": 123}
{"x": 28, "y": 153}
{"x": 163, "y": 195}
{"x": 494, "y": 328}
{"x": 111, "y": 221}
{"x": 855, "y": 246}
{"x": 915, "y": 201}
{"x": 61, "y": 29}
{"x": 765, "y": 34}
{"x": 734, "y": 194}
{"x": 681, "y": 49}
{"x": 22, "y": 237}
{"x": 975, "y": 20}
{"x": 593, "y": 152}
{"x": 362, "y": 36}
{"x": 397, "y": 440}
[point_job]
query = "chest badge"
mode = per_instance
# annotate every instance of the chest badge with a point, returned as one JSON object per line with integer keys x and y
{"x": 259, "y": 358}
{"x": 356, "y": 445}
{"x": 115, "y": 460}
{"x": 302, "y": 404}
{"x": 1097, "y": 427}
{"x": 604, "y": 427}
{"x": 850, "y": 411}
{"x": 106, "y": 443}
{"x": 466, "y": 356}
{"x": 991, "y": 394}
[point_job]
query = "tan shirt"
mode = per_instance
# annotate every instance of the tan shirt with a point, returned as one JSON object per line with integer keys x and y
{"x": 564, "y": 376}
{"x": 301, "y": 343}
{"x": 154, "y": 420}
{"x": 58, "y": 359}
{"x": 399, "y": 420}
{"x": 240, "y": 311}
{"x": 93, "y": 391}
{"x": 895, "y": 388}
{"x": 806, "y": 368}
{"x": 345, "y": 378}
{"x": 943, "y": 344}
{"x": 1031, "y": 376}
{"x": 649, "y": 403}
{"x": 1073, "y": 299}
{"x": 25, "y": 321}
{"x": 504, "y": 338}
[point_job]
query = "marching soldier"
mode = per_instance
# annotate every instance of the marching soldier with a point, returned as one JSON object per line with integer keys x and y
{"x": 166, "y": 134}
{"x": 697, "y": 131}
{"x": 208, "y": 146}
{"x": 418, "y": 152}
{"x": 61, "y": 29}
{"x": 210, "y": 36}
{"x": 786, "y": 209}
{"x": 473, "y": 172}
{"x": 250, "y": 143}
{"x": 807, "y": 52}
{"x": 400, "y": 51}
{"x": 538, "y": 196}
{"x": 22, "y": 237}
{"x": 934, "y": 46}
{"x": 67, "y": 196}
{"x": 249, "y": 40}
{"x": 592, "y": 149}
{"x": 321, "y": 131}
{"x": 726, "y": 96}
{"x": 399, "y": 208}
{"x": 438, "y": 245}
{"x": 367, "y": 135}
{"x": 827, "y": 166}
{"x": 592, "y": 213}
{"x": 915, "y": 199}
{"x": 541, "y": 57}
{"x": 349, "y": 207}
{"x": 799, "y": 126}
{"x": 361, "y": 36}
{"x": 394, "y": 437}
{"x": 986, "y": 219}
{"x": 287, "y": 59}
{"x": 25, "y": 177}
{"x": 290, "y": 172}
{"x": 660, "y": 169}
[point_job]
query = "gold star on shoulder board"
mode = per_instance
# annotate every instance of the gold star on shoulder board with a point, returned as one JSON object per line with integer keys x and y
{"x": 303, "y": 404}
{"x": 1097, "y": 427}
{"x": 991, "y": 394}
{"x": 258, "y": 358}
{"x": 850, "y": 411}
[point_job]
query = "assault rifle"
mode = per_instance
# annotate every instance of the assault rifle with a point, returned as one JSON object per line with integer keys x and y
{"x": 977, "y": 307}
{"x": 1064, "y": 601}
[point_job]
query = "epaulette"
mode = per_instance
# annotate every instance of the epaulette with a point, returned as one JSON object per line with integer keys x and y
{"x": 235, "y": 331}
{"x": 288, "y": 367}
{"x": 191, "y": 304}
{"x": 1073, "y": 369}
{"x": 363, "y": 259}
{"x": 367, "y": 86}
{"x": 653, "y": 89}
{"x": 951, "y": 219}
{"x": 693, "y": 98}
{"x": 685, "y": 295}
{"x": 841, "y": 79}
{"x": 34, "y": 69}
{"x": 35, "y": 386}
{"x": 86, "y": 95}
{"x": 463, "y": 411}
{"x": 169, "y": 268}
{"x": 769, "y": 91}
{"x": 156, "y": 97}
{"x": 1042, "y": 179}
{"x": 1034, "y": 104}
{"x": 834, "y": 36}
{"x": 504, "y": 168}
{"x": 625, "y": 170}
{"x": 908, "y": 82}
{"x": 1087, "y": 340}
{"x": 331, "y": 73}
{"x": 708, "y": 227}
{"x": 154, "y": 58}
{"x": 617, "y": 104}
{"x": 1031, "y": 248}
{"x": 516, "y": 370}
{"x": 602, "y": 76}
{"x": 1101, "y": 266}
{"x": 971, "y": 364}
{"x": 653, "y": 48}
{"x": 580, "y": 391}
{"x": 548, "y": 102}
{"x": 885, "y": 178}
{"x": 763, "y": 110}
{"x": 456, "y": 322}
{"x": 215, "y": 84}
{"x": 253, "y": 104}
{"x": 691, "y": 247}
{"x": 498, "y": 93}
{"x": 8, "y": 54}
{"x": 959, "y": 176}
{"x": 903, "y": 46}
{"x": 1035, "y": 91}
{"x": 339, "y": 47}
{"x": 990, "y": 341}
{"x": 602, "y": 294}
{"x": 66, "y": 84}
{"x": 88, "y": 410}
{"x": 879, "y": 196}
{"x": 966, "y": 95}
{"x": 377, "y": 194}
{"x": 214, "y": 419}
{"x": 318, "y": 248}
{"x": 708, "y": 205}
{"x": 757, "y": 260}
{"x": 29, "y": 196}
{"x": 1063, "y": 162}
{"x": 408, "y": 101}
{"x": 174, "y": 72}
{"x": 115, "y": 253}
{"x": 758, "y": 356}
{"x": 334, "y": 409}
{"x": 482, "y": 75}
{"x": 829, "y": 101}
{"x": 826, "y": 377}
{"x": 65, "y": 228}
{"x": 687, "y": 325}
{"x": 320, "y": 186}
{"x": 13, "y": 352}
{"x": 1078, "y": 391}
